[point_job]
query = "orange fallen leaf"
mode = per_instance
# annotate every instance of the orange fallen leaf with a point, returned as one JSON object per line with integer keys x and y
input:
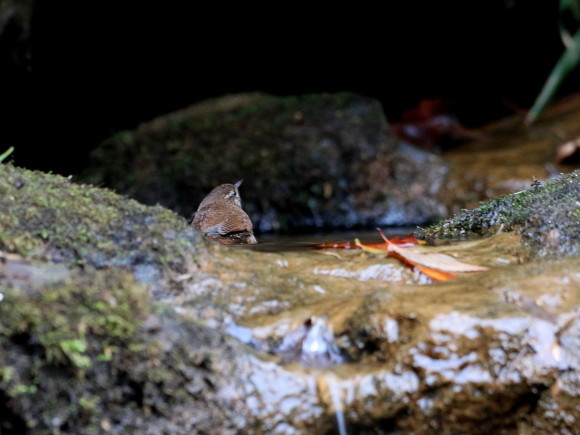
{"x": 409, "y": 240}
{"x": 434, "y": 274}
{"x": 433, "y": 260}
{"x": 437, "y": 266}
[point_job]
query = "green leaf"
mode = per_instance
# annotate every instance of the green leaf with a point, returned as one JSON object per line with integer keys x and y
{"x": 6, "y": 153}
{"x": 569, "y": 59}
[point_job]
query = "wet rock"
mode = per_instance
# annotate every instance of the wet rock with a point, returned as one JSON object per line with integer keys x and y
{"x": 26, "y": 276}
{"x": 313, "y": 161}
{"x": 473, "y": 355}
{"x": 90, "y": 355}
{"x": 49, "y": 218}
{"x": 325, "y": 161}
{"x": 312, "y": 344}
{"x": 547, "y": 215}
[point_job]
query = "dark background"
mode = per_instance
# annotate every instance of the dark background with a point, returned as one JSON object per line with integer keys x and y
{"x": 91, "y": 69}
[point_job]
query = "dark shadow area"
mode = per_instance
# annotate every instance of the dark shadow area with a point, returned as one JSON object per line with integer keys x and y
{"x": 10, "y": 423}
{"x": 93, "y": 70}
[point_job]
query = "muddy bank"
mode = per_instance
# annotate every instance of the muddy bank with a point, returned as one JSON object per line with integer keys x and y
{"x": 118, "y": 317}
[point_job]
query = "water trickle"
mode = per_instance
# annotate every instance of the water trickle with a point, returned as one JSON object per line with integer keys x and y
{"x": 330, "y": 391}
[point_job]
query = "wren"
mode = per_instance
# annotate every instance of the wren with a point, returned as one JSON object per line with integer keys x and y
{"x": 220, "y": 216}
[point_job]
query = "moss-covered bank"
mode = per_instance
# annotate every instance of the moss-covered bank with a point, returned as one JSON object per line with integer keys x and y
{"x": 546, "y": 215}
{"x": 47, "y": 217}
{"x": 83, "y": 346}
{"x": 90, "y": 354}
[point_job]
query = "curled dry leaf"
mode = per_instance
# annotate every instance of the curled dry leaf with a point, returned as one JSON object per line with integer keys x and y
{"x": 569, "y": 152}
{"x": 437, "y": 266}
{"x": 435, "y": 260}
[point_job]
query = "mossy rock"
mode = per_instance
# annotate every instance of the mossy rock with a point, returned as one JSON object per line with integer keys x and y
{"x": 546, "y": 215}
{"x": 84, "y": 347}
{"x": 312, "y": 161}
{"x": 47, "y": 217}
{"x": 90, "y": 353}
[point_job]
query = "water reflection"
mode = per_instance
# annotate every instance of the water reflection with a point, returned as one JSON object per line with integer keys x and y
{"x": 305, "y": 241}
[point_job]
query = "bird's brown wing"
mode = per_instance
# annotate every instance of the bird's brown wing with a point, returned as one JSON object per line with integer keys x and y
{"x": 230, "y": 226}
{"x": 204, "y": 219}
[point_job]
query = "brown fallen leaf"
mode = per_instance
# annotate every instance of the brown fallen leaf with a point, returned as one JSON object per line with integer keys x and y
{"x": 437, "y": 266}
{"x": 435, "y": 260}
{"x": 569, "y": 152}
{"x": 435, "y": 275}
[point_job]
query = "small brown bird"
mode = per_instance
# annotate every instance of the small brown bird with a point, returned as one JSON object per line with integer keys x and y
{"x": 220, "y": 216}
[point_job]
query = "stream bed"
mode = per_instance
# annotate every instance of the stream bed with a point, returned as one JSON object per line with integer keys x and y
{"x": 344, "y": 340}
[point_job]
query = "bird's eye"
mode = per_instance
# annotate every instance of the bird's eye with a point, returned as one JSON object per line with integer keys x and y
{"x": 230, "y": 194}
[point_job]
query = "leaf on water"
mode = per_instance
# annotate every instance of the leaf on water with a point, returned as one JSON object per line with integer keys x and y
{"x": 433, "y": 260}
{"x": 370, "y": 248}
{"x": 435, "y": 275}
{"x": 409, "y": 240}
{"x": 437, "y": 266}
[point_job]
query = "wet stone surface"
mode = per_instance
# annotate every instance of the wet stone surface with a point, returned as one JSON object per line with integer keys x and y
{"x": 474, "y": 354}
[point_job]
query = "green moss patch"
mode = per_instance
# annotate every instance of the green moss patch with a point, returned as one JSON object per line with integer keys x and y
{"x": 88, "y": 353}
{"x": 47, "y": 217}
{"x": 546, "y": 215}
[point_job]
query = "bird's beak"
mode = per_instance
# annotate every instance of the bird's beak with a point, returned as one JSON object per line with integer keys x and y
{"x": 238, "y": 183}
